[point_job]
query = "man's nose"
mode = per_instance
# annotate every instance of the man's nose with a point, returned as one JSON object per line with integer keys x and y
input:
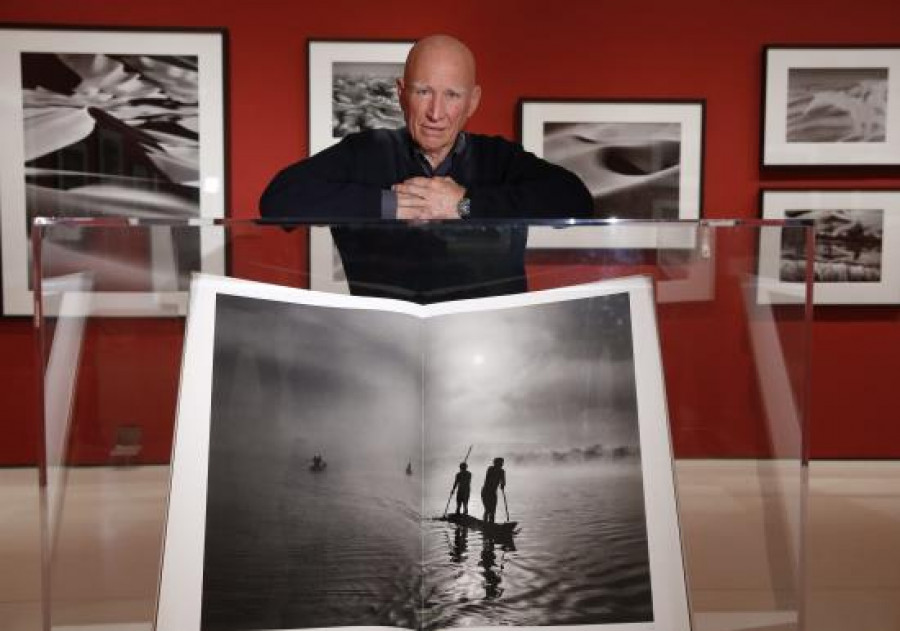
{"x": 435, "y": 109}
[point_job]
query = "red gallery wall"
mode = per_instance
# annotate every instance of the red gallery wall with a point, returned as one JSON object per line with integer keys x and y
{"x": 569, "y": 48}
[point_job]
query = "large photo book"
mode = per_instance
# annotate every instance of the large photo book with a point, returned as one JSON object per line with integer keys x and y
{"x": 361, "y": 462}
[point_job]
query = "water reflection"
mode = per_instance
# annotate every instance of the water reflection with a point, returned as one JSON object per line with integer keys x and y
{"x": 460, "y": 545}
{"x": 493, "y": 575}
{"x": 491, "y": 563}
{"x": 579, "y": 556}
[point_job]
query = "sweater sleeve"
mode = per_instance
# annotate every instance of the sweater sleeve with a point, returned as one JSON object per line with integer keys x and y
{"x": 323, "y": 187}
{"x": 529, "y": 188}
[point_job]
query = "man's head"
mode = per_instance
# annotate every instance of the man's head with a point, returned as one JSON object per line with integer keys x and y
{"x": 438, "y": 93}
{"x": 498, "y": 462}
{"x": 463, "y": 466}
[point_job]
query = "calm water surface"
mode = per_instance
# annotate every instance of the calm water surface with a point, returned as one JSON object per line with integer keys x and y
{"x": 580, "y": 556}
{"x": 345, "y": 547}
{"x": 336, "y": 548}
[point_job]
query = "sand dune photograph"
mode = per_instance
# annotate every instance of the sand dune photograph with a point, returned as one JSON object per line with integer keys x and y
{"x": 632, "y": 170}
{"x": 640, "y": 160}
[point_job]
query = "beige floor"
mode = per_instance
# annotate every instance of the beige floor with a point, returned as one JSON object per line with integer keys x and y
{"x": 739, "y": 520}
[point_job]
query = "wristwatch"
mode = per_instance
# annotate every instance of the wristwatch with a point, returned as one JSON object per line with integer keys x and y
{"x": 464, "y": 207}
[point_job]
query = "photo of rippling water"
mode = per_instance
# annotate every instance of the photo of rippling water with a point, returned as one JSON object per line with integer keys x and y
{"x": 291, "y": 544}
{"x": 340, "y": 548}
{"x": 580, "y": 556}
{"x": 335, "y": 435}
{"x": 837, "y": 104}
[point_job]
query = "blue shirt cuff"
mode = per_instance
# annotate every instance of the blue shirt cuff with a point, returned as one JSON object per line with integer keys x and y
{"x": 388, "y": 204}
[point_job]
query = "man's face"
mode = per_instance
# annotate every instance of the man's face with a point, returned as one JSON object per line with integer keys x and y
{"x": 438, "y": 95}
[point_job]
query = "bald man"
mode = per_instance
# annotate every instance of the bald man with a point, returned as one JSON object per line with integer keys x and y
{"x": 429, "y": 170}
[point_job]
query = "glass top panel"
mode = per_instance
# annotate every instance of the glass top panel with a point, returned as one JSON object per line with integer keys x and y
{"x": 731, "y": 300}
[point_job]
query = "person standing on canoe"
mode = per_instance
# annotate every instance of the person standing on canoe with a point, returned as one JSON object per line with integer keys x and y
{"x": 495, "y": 477}
{"x": 462, "y": 484}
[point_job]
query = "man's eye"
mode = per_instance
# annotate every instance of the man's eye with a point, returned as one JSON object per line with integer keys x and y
{"x": 454, "y": 95}
{"x": 422, "y": 91}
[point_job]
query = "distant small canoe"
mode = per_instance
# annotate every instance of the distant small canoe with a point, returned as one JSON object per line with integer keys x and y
{"x": 506, "y": 530}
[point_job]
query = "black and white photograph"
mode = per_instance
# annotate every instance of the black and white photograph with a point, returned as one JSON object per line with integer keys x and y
{"x": 833, "y": 106}
{"x": 317, "y": 518}
{"x": 376, "y": 463}
{"x": 855, "y": 243}
{"x": 837, "y": 104}
{"x": 112, "y": 125}
{"x": 848, "y": 246}
{"x": 352, "y": 87}
{"x": 538, "y": 406}
{"x": 640, "y": 160}
{"x": 631, "y": 169}
{"x": 365, "y": 97}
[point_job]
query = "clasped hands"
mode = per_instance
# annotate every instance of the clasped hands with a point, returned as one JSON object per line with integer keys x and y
{"x": 428, "y": 198}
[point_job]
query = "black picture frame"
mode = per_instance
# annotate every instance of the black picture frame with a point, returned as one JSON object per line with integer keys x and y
{"x": 126, "y": 122}
{"x": 341, "y": 105}
{"x": 830, "y": 106}
{"x": 857, "y": 234}
{"x": 641, "y": 159}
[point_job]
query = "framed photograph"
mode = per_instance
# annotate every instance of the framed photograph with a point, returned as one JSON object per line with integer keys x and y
{"x": 831, "y": 106}
{"x": 332, "y": 511}
{"x": 352, "y": 87}
{"x": 639, "y": 159}
{"x": 857, "y": 253}
{"x": 104, "y": 122}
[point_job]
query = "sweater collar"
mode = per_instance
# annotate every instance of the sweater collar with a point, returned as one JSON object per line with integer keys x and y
{"x": 444, "y": 167}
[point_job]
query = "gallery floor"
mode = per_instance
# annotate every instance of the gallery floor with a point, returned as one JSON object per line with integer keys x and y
{"x": 107, "y": 559}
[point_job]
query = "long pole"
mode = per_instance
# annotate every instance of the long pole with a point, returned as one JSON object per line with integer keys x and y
{"x": 447, "y": 507}
{"x": 505, "y": 504}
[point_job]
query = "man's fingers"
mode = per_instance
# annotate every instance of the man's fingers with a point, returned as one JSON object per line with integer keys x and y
{"x": 410, "y": 200}
{"x": 418, "y": 181}
{"x": 412, "y": 188}
{"x": 411, "y": 207}
{"x": 427, "y": 198}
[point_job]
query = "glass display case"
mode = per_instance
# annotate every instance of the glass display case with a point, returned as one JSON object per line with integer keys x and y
{"x": 732, "y": 303}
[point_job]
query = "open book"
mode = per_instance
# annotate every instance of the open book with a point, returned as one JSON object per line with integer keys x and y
{"x": 323, "y": 441}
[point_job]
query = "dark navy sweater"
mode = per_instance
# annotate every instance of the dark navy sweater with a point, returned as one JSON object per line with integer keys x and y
{"x": 438, "y": 261}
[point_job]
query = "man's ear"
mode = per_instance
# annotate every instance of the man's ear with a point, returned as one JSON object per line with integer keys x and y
{"x": 474, "y": 100}
{"x": 401, "y": 90}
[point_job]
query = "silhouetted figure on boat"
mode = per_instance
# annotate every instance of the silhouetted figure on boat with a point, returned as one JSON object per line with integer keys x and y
{"x": 494, "y": 478}
{"x": 318, "y": 464}
{"x": 409, "y": 468}
{"x": 462, "y": 484}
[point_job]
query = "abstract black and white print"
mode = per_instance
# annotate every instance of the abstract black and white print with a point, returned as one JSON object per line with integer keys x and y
{"x": 632, "y": 169}
{"x": 365, "y": 97}
{"x": 848, "y": 246}
{"x": 837, "y": 105}
{"x": 114, "y": 135}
